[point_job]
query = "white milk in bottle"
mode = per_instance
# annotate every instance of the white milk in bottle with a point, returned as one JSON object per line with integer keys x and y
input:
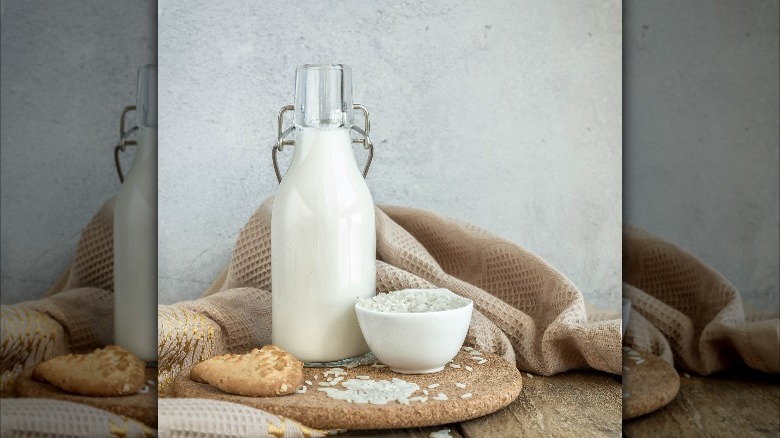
{"x": 135, "y": 234}
{"x": 323, "y": 238}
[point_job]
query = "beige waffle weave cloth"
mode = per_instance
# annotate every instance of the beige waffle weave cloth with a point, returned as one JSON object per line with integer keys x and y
{"x": 76, "y": 315}
{"x": 525, "y": 310}
{"x": 690, "y": 315}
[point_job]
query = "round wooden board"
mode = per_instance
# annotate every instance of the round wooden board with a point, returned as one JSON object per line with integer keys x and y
{"x": 493, "y": 385}
{"x": 141, "y": 407}
{"x": 647, "y": 386}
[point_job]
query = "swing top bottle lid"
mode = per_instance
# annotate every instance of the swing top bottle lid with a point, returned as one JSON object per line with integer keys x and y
{"x": 323, "y": 96}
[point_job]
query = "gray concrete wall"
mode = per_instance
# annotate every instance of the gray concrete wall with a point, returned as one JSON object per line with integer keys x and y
{"x": 503, "y": 114}
{"x": 67, "y": 69}
{"x": 701, "y": 162}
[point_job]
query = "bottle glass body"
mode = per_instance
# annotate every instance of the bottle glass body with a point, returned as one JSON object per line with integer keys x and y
{"x": 135, "y": 237}
{"x": 323, "y": 246}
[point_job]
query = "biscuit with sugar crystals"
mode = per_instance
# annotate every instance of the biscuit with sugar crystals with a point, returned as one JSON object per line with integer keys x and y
{"x": 267, "y": 372}
{"x": 106, "y": 372}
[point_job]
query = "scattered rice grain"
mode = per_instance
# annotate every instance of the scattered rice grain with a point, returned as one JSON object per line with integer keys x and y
{"x": 454, "y": 365}
{"x": 468, "y": 368}
{"x": 466, "y": 395}
{"x": 460, "y": 385}
{"x": 377, "y": 392}
{"x": 433, "y": 386}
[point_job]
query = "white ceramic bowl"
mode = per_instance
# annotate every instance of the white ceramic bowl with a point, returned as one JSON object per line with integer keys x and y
{"x": 626, "y": 314}
{"x": 415, "y": 343}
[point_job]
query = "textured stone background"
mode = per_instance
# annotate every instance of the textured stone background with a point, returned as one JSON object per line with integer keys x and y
{"x": 701, "y": 164}
{"x": 503, "y": 114}
{"x": 507, "y": 116}
{"x": 67, "y": 69}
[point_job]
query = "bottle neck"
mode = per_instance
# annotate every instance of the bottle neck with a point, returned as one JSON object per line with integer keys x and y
{"x": 322, "y": 142}
{"x": 146, "y": 143}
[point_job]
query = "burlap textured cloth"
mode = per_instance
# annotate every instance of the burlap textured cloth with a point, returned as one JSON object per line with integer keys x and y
{"x": 75, "y": 315}
{"x": 524, "y": 309}
{"x": 690, "y": 315}
{"x": 40, "y": 417}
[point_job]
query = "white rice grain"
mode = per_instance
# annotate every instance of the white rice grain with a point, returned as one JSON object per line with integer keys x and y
{"x": 444, "y": 433}
{"x": 414, "y": 301}
{"x": 377, "y": 392}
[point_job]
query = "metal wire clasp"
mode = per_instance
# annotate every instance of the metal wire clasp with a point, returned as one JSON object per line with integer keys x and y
{"x": 282, "y": 134}
{"x": 124, "y": 141}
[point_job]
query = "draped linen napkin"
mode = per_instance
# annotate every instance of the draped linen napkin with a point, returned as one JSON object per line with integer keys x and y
{"x": 525, "y": 310}
{"x": 76, "y": 313}
{"x": 75, "y": 316}
{"x": 690, "y": 315}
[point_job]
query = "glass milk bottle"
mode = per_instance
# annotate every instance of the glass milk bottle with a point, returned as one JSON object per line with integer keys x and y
{"x": 135, "y": 232}
{"x": 323, "y": 238}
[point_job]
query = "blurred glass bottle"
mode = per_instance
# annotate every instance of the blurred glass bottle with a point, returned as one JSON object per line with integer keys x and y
{"x": 135, "y": 232}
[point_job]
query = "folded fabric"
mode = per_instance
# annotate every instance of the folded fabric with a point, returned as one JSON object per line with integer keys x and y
{"x": 38, "y": 417}
{"x": 524, "y": 309}
{"x": 76, "y": 313}
{"x": 189, "y": 417}
{"x": 691, "y": 316}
